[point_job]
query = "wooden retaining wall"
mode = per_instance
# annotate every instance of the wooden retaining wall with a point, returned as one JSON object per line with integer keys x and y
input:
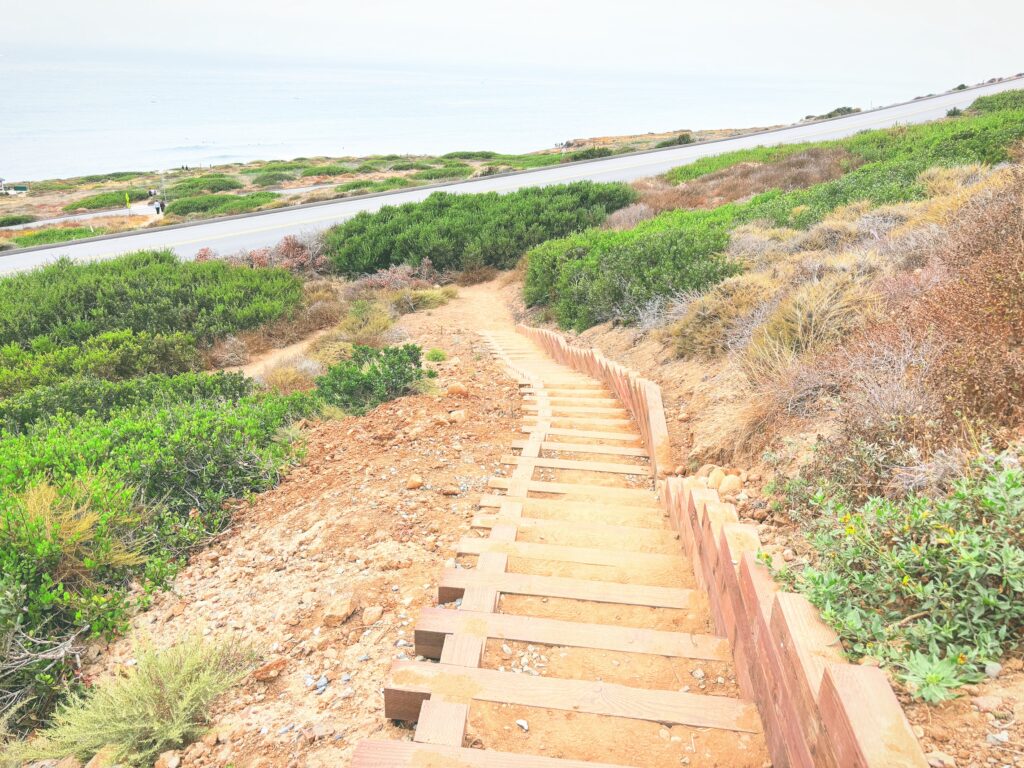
{"x": 819, "y": 711}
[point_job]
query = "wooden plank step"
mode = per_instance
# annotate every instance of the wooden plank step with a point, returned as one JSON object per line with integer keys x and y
{"x": 583, "y": 555}
{"x": 582, "y": 421}
{"x": 608, "y": 450}
{"x": 455, "y": 581}
{"x": 377, "y": 753}
{"x": 588, "y": 434}
{"x": 434, "y": 624}
{"x": 579, "y": 465}
{"x": 575, "y": 399}
{"x": 660, "y": 536}
{"x": 651, "y": 509}
{"x": 578, "y": 489}
{"x": 412, "y": 682}
{"x": 558, "y": 408}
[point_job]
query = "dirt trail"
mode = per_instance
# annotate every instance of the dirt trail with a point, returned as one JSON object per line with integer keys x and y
{"x": 341, "y": 523}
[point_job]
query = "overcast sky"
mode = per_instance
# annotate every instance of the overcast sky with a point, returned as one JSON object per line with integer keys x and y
{"x": 930, "y": 44}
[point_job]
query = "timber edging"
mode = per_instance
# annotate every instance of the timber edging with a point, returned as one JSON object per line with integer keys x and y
{"x": 818, "y": 710}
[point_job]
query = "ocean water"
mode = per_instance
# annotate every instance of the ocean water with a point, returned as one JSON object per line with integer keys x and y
{"x": 67, "y": 117}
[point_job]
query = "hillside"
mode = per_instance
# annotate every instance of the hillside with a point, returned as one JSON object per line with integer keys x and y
{"x": 837, "y": 331}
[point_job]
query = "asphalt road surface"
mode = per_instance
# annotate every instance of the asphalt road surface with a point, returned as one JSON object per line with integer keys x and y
{"x": 266, "y": 228}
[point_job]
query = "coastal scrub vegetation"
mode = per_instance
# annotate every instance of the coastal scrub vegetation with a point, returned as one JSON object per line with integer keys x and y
{"x": 457, "y": 232}
{"x": 220, "y": 204}
{"x": 107, "y": 200}
{"x": 603, "y": 275}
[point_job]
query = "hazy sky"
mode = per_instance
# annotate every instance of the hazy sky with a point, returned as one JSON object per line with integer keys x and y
{"x": 929, "y": 44}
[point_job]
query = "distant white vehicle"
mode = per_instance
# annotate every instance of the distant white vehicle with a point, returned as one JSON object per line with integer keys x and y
{"x": 13, "y": 189}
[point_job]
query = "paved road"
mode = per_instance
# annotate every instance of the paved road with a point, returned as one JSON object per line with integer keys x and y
{"x": 254, "y": 231}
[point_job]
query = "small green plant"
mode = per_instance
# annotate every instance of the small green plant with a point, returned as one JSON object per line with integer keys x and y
{"x": 271, "y": 178}
{"x": 934, "y": 587}
{"x": 372, "y": 376}
{"x": 683, "y": 138}
{"x": 107, "y": 200}
{"x": 436, "y": 355}
{"x": 954, "y": 112}
{"x": 15, "y": 219}
{"x": 57, "y": 235}
{"x": 162, "y": 703}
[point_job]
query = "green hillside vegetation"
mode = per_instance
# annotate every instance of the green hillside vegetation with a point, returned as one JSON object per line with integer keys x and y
{"x": 220, "y": 205}
{"x": 211, "y": 182}
{"x": 458, "y": 232}
{"x": 56, "y": 235}
{"x": 603, "y": 275}
{"x": 107, "y": 200}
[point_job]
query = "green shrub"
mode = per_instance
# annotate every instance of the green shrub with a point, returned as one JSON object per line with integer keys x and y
{"x": 151, "y": 291}
{"x": 591, "y": 153}
{"x": 220, "y": 205}
{"x": 365, "y": 323}
{"x": 379, "y": 185}
{"x": 954, "y": 112}
{"x": 14, "y": 219}
{"x": 113, "y": 355}
{"x": 371, "y": 377}
{"x": 277, "y": 165}
{"x": 162, "y": 703}
{"x": 459, "y": 231}
{"x": 999, "y": 102}
{"x": 446, "y": 172}
{"x": 933, "y": 586}
{"x": 115, "y": 176}
{"x": 212, "y": 182}
{"x": 683, "y": 138}
{"x": 436, "y": 355}
{"x": 411, "y": 165}
{"x": 57, "y": 235}
{"x": 107, "y": 200}
{"x": 578, "y": 275}
{"x": 333, "y": 169}
{"x": 470, "y": 155}
{"x": 271, "y": 179}
{"x": 78, "y": 395}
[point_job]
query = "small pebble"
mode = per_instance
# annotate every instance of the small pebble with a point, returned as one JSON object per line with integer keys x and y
{"x": 523, "y": 724}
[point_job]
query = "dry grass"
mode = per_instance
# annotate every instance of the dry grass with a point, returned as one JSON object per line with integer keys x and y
{"x": 744, "y": 180}
{"x": 297, "y": 374}
{"x": 628, "y": 217}
{"x": 710, "y": 324}
{"x": 162, "y": 703}
{"x": 330, "y": 349}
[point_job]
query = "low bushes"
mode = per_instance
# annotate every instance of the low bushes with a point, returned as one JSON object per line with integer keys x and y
{"x": 682, "y": 139}
{"x": 933, "y": 586}
{"x": 114, "y": 355}
{"x": 444, "y": 173}
{"x": 107, "y": 200}
{"x": 150, "y": 291}
{"x": 56, "y": 235}
{"x": 581, "y": 277}
{"x": 78, "y": 395}
{"x": 211, "y": 182}
{"x": 460, "y": 231}
{"x": 14, "y": 219}
{"x": 162, "y": 703}
{"x": 998, "y": 102}
{"x": 371, "y": 377}
{"x": 331, "y": 169}
{"x": 271, "y": 178}
{"x": 220, "y": 205}
{"x": 365, "y": 186}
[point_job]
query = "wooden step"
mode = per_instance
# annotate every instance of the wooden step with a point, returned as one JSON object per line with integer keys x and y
{"x": 585, "y": 422}
{"x": 608, "y": 450}
{"x": 455, "y": 581}
{"x": 640, "y": 507}
{"x": 586, "y": 434}
{"x": 557, "y": 408}
{"x": 647, "y": 510}
{"x": 578, "y": 465}
{"x": 660, "y": 537}
{"x": 574, "y": 399}
{"x": 407, "y": 754}
{"x": 564, "y": 554}
{"x": 576, "y": 489}
{"x": 434, "y": 624}
{"x": 411, "y": 683}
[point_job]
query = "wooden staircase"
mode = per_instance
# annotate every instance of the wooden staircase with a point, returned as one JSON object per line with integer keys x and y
{"x": 576, "y": 555}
